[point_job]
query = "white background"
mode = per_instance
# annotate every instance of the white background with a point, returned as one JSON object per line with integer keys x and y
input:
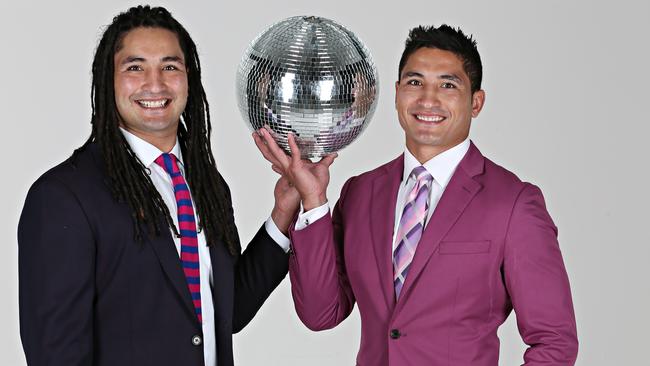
{"x": 567, "y": 94}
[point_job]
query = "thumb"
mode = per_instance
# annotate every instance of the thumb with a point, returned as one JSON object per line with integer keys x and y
{"x": 329, "y": 159}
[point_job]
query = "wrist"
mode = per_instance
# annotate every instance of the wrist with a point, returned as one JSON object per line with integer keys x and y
{"x": 311, "y": 202}
{"x": 282, "y": 219}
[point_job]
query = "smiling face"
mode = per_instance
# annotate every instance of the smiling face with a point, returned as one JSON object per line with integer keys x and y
{"x": 151, "y": 85}
{"x": 434, "y": 102}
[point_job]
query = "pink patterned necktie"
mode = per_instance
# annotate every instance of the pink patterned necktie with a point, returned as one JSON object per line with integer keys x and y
{"x": 411, "y": 226}
{"x": 187, "y": 229}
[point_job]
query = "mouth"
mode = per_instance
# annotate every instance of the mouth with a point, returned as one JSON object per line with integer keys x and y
{"x": 430, "y": 118}
{"x": 153, "y": 104}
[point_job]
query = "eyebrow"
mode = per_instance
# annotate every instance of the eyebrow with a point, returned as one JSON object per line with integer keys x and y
{"x": 451, "y": 77}
{"x": 130, "y": 59}
{"x": 142, "y": 59}
{"x": 413, "y": 73}
{"x": 173, "y": 59}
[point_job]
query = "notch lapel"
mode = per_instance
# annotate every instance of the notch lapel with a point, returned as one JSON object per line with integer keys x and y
{"x": 163, "y": 245}
{"x": 223, "y": 283}
{"x": 165, "y": 250}
{"x": 382, "y": 221}
{"x": 459, "y": 193}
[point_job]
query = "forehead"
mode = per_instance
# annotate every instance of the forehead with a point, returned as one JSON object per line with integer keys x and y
{"x": 433, "y": 61}
{"x": 150, "y": 41}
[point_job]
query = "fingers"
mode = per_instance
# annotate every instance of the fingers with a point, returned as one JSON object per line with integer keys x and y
{"x": 328, "y": 159}
{"x": 295, "y": 150}
{"x": 277, "y": 170}
{"x": 276, "y": 154}
{"x": 263, "y": 148}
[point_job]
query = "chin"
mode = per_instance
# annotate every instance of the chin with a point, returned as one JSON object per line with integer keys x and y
{"x": 158, "y": 126}
{"x": 427, "y": 139}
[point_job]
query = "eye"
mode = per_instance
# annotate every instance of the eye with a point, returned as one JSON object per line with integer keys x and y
{"x": 448, "y": 86}
{"x": 414, "y": 82}
{"x": 170, "y": 68}
{"x": 134, "y": 68}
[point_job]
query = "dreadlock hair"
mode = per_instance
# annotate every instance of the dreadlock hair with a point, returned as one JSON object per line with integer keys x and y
{"x": 127, "y": 175}
{"x": 450, "y": 39}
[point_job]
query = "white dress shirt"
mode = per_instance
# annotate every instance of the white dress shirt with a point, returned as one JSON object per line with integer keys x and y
{"x": 148, "y": 153}
{"x": 441, "y": 167}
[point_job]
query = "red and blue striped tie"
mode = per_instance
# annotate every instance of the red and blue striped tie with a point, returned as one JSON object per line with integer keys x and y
{"x": 187, "y": 228}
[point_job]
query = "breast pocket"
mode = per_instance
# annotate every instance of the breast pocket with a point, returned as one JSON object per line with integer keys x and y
{"x": 465, "y": 247}
{"x": 468, "y": 271}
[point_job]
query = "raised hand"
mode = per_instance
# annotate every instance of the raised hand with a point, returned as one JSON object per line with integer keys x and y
{"x": 287, "y": 202}
{"x": 310, "y": 179}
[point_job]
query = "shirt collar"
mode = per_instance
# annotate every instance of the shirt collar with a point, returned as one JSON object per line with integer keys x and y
{"x": 146, "y": 152}
{"x": 441, "y": 167}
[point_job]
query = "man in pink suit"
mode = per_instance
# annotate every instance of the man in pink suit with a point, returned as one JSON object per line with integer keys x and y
{"x": 438, "y": 246}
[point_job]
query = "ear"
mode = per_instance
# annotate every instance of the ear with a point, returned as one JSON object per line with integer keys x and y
{"x": 478, "y": 99}
{"x": 396, "y": 88}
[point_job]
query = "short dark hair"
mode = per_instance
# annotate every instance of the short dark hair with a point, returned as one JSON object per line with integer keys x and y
{"x": 450, "y": 39}
{"x": 128, "y": 179}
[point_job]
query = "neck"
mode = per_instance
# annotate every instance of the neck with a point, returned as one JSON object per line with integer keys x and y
{"x": 424, "y": 154}
{"x": 164, "y": 141}
{"x": 428, "y": 152}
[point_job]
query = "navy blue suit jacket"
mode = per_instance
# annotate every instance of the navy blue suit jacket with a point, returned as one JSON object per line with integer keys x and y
{"x": 92, "y": 295}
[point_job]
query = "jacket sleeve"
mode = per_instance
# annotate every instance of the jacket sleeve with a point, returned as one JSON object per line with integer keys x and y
{"x": 538, "y": 283}
{"x": 320, "y": 287}
{"x": 258, "y": 271}
{"x": 56, "y": 260}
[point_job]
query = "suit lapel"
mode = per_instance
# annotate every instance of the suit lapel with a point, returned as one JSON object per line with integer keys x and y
{"x": 459, "y": 193}
{"x": 163, "y": 245}
{"x": 165, "y": 250}
{"x": 382, "y": 221}
{"x": 222, "y": 283}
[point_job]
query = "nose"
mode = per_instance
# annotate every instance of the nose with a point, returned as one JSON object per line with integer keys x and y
{"x": 154, "y": 81}
{"x": 429, "y": 97}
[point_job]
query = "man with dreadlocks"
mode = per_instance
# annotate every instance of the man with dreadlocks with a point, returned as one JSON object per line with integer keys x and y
{"x": 119, "y": 264}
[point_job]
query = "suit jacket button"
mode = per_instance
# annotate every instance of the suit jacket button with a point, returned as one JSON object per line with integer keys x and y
{"x": 394, "y": 333}
{"x": 196, "y": 340}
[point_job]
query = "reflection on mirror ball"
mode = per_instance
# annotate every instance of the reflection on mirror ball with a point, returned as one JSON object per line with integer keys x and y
{"x": 312, "y": 77}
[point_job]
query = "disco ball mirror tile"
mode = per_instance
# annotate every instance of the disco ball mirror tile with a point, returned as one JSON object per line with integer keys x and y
{"x": 312, "y": 77}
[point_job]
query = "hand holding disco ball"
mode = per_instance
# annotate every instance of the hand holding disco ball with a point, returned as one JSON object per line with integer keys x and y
{"x": 311, "y": 77}
{"x": 310, "y": 179}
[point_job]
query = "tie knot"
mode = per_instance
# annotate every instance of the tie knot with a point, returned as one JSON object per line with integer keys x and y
{"x": 420, "y": 173}
{"x": 169, "y": 163}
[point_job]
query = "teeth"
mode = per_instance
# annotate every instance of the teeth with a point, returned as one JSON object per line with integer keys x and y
{"x": 153, "y": 103}
{"x": 430, "y": 118}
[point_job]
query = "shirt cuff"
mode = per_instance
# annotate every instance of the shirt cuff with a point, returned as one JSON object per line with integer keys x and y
{"x": 276, "y": 235}
{"x": 306, "y": 218}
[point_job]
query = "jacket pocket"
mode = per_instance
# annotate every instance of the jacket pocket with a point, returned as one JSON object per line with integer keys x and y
{"x": 465, "y": 247}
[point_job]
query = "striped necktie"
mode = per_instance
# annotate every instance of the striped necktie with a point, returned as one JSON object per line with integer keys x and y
{"x": 411, "y": 226}
{"x": 187, "y": 228}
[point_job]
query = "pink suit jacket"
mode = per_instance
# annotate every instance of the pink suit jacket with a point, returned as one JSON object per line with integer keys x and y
{"x": 489, "y": 247}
